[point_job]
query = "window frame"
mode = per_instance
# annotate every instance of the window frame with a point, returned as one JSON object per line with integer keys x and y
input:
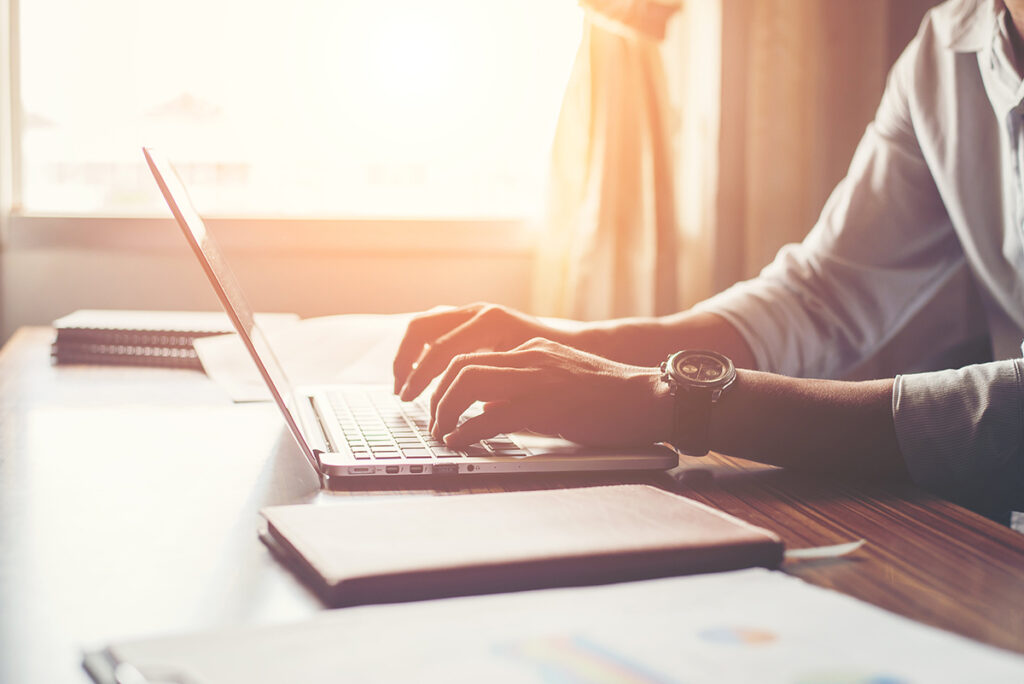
{"x": 10, "y": 152}
{"x": 22, "y": 230}
{"x": 279, "y": 235}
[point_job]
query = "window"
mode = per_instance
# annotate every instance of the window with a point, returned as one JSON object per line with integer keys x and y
{"x": 326, "y": 108}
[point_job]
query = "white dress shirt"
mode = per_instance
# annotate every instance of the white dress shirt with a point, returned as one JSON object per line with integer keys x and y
{"x": 935, "y": 185}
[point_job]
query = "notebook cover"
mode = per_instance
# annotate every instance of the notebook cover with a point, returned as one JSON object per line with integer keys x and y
{"x": 163, "y": 328}
{"x": 142, "y": 338}
{"x": 399, "y": 549}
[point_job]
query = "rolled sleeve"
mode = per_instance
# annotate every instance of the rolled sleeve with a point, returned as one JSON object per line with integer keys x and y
{"x": 742, "y": 308}
{"x": 882, "y": 249}
{"x": 961, "y": 433}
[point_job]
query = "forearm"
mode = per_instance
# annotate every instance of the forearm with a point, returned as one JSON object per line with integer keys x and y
{"x": 821, "y": 425}
{"x": 649, "y": 341}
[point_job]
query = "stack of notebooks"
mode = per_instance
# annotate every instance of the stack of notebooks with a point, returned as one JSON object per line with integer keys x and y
{"x": 140, "y": 338}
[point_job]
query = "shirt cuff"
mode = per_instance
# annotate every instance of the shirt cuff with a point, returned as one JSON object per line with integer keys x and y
{"x": 961, "y": 433}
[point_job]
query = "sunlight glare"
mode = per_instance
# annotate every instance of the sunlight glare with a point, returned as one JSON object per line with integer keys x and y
{"x": 320, "y": 107}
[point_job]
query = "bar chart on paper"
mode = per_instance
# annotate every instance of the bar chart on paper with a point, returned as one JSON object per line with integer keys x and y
{"x": 577, "y": 658}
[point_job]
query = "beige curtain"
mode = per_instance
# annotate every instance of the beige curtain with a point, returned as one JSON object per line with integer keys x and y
{"x": 800, "y": 81}
{"x": 610, "y": 243}
{"x": 682, "y": 166}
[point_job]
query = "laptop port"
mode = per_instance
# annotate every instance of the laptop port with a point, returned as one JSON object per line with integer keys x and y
{"x": 391, "y": 470}
{"x": 415, "y": 470}
{"x": 446, "y": 469}
{"x": 361, "y": 470}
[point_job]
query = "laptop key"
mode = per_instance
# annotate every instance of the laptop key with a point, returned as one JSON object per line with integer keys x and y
{"x": 375, "y": 428}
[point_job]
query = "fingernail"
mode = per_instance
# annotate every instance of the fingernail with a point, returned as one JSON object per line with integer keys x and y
{"x": 404, "y": 394}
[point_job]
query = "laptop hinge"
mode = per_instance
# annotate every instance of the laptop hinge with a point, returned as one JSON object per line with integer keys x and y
{"x": 323, "y": 431}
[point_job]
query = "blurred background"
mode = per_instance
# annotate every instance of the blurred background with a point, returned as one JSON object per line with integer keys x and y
{"x": 609, "y": 158}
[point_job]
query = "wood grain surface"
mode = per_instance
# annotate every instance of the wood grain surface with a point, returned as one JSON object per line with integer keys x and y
{"x": 129, "y": 502}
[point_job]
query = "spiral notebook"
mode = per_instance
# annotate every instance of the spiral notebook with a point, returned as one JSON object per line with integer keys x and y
{"x": 141, "y": 338}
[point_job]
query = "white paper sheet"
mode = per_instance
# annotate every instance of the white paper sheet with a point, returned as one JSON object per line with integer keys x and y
{"x": 824, "y": 552}
{"x": 743, "y": 626}
{"x": 349, "y": 348}
{"x": 354, "y": 348}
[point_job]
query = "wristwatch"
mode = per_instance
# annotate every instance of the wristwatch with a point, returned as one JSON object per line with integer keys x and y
{"x": 696, "y": 379}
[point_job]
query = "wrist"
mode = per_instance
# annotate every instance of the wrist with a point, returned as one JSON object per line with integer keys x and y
{"x": 643, "y": 407}
{"x": 696, "y": 379}
{"x": 661, "y": 410}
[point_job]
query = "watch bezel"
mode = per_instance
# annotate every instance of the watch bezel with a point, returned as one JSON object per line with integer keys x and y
{"x": 671, "y": 370}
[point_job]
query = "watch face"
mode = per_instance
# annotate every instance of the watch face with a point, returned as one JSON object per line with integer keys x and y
{"x": 701, "y": 368}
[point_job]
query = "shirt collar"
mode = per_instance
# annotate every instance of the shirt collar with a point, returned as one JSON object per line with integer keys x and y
{"x": 971, "y": 24}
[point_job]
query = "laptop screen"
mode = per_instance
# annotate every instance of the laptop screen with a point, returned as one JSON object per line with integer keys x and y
{"x": 229, "y": 293}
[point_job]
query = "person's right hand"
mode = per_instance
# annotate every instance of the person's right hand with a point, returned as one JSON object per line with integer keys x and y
{"x": 436, "y": 337}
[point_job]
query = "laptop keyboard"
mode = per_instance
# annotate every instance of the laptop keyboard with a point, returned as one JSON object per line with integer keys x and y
{"x": 379, "y": 427}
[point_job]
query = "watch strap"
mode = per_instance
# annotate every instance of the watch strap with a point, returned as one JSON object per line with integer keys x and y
{"x": 691, "y": 421}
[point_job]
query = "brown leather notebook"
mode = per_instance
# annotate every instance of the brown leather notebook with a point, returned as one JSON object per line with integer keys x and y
{"x": 400, "y": 549}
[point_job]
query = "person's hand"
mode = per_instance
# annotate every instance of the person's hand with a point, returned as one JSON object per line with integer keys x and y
{"x": 549, "y": 388}
{"x": 434, "y": 338}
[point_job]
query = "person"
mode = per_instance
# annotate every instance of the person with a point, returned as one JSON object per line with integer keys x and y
{"x": 935, "y": 186}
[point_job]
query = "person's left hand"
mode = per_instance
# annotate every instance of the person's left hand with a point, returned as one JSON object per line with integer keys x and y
{"x": 551, "y": 389}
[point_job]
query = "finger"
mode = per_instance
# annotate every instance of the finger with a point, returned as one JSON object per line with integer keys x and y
{"x": 513, "y": 359}
{"x": 482, "y": 383}
{"x": 497, "y": 418}
{"x": 422, "y": 330}
{"x": 467, "y": 337}
{"x": 540, "y": 343}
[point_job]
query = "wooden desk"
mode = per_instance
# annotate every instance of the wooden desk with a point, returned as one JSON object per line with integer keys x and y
{"x": 129, "y": 499}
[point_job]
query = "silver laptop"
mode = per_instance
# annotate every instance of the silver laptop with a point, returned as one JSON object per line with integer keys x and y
{"x": 365, "y": 430}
